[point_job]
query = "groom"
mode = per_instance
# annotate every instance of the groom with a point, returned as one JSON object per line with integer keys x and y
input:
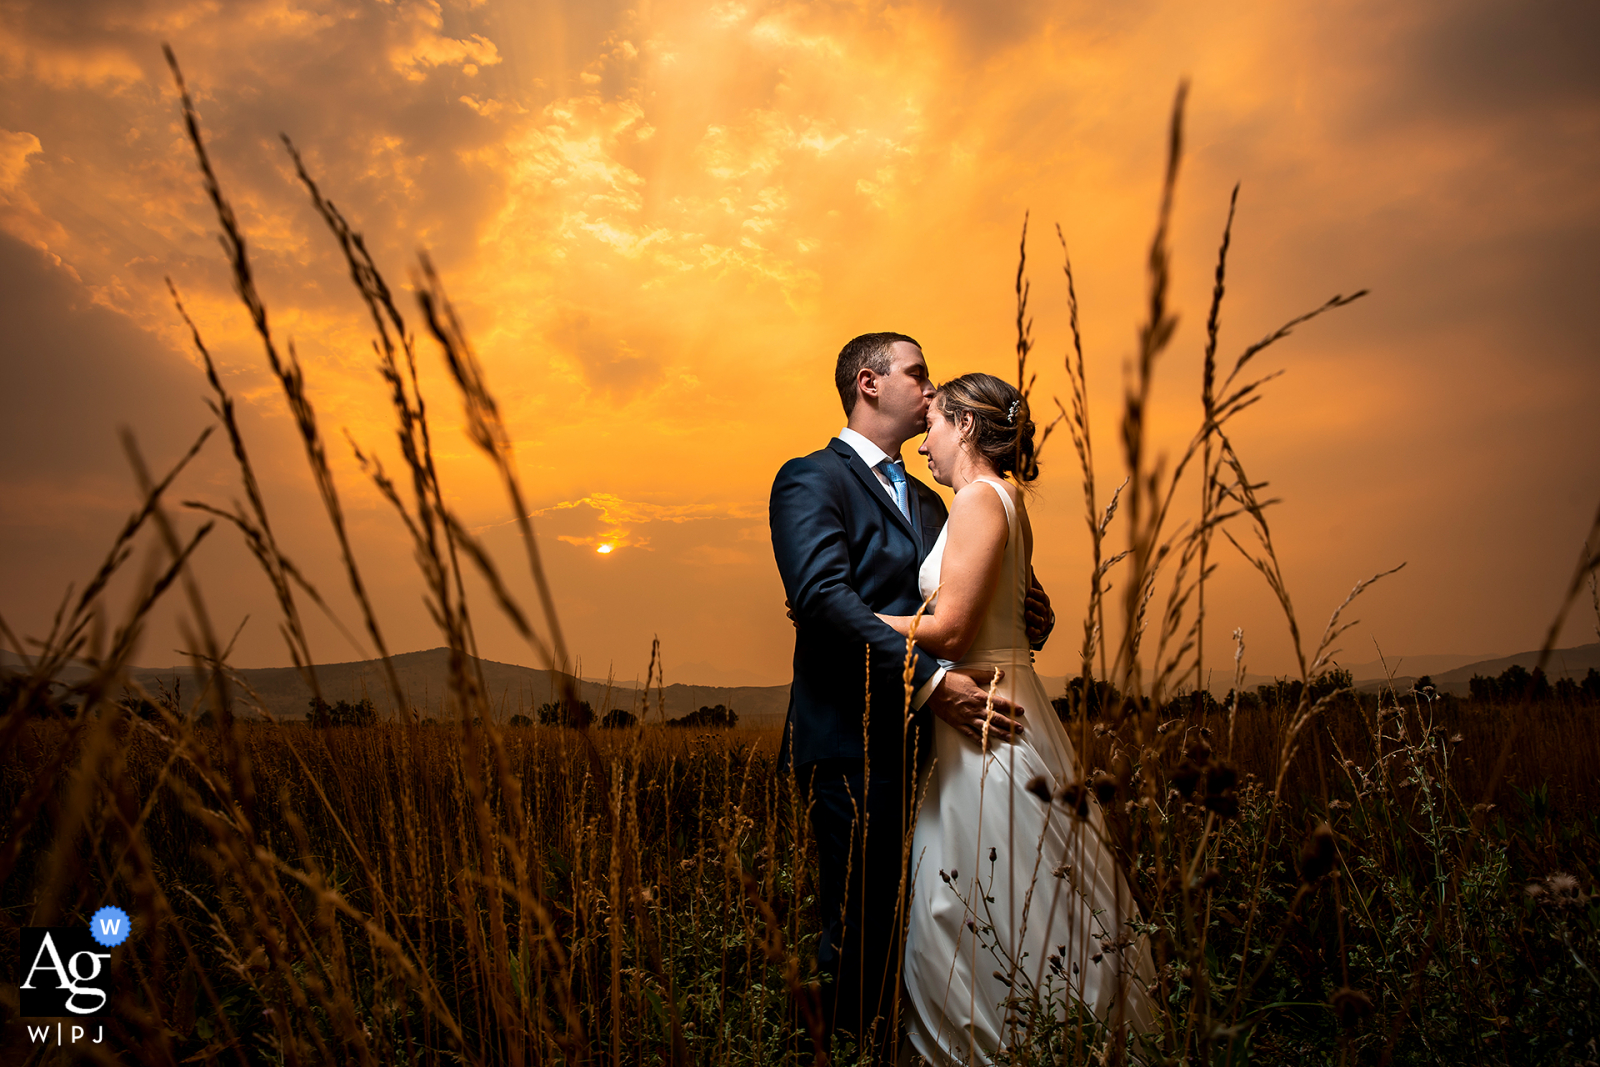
{"x": 850, "y": 530}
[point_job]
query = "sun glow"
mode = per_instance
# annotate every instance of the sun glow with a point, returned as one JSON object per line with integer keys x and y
{"x": 604, "y": 550}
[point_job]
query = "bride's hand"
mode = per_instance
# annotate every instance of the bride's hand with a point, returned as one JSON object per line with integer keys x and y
{"x": 961, "y": 700}
{"x": 1039, "y": 617}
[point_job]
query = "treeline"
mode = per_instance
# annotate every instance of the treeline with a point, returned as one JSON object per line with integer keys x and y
{"x": 715, "y": 717}
{"x": 1517, "y": 683}
{"x": 54, "y": 701}
{"x": 1513, "y": 685}
{"x": 1100, "y": 697}
{"x": 567, "y": 713}
{"x": 343, "y": 713}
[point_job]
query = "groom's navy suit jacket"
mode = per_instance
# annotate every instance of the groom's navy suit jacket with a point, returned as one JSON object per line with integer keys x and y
{"x": 845, "y": 552}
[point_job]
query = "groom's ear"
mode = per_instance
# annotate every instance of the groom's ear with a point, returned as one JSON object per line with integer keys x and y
{"x": 867, "y": 383}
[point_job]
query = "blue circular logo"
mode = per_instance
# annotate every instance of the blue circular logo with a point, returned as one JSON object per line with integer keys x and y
{"x": 110, "y": 926}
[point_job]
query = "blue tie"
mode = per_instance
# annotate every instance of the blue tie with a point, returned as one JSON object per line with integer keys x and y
{"x": 897, "y": 481}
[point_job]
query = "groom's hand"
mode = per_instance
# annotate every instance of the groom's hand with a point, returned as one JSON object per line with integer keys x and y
{"x": 962, "y": 700}
{"x": 1037, "y": 614}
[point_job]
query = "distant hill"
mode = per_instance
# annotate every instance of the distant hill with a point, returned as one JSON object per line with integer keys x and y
{"x": 1571, "y": 663}
{"x": 1377, "y": 670}
{"x": 1449, "y": 673}
{"x": 424, "y": 681}
{"x": 514, "y": 689}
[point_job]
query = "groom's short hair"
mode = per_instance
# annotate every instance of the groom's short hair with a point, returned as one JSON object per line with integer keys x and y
{"x": 870, "y": 350}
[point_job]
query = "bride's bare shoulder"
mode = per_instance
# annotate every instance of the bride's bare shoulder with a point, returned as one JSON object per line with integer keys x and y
{"x": 988, "y": 492}
{"x": 976, "y": 502}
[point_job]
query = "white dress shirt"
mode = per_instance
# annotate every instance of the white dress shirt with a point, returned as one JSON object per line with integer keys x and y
{"x": 872, "y": 455}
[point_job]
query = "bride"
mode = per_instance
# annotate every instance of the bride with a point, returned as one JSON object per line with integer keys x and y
{"x": 1019, "y": 918}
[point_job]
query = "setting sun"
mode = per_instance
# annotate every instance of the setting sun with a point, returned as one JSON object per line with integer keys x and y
{"x": 605, "y": 550}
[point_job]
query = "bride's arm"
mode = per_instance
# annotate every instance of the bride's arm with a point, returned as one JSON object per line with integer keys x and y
{"x": 973, "y": 550}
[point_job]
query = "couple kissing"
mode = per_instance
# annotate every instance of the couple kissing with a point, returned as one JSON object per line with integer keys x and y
{"x": 1004, "y": 905}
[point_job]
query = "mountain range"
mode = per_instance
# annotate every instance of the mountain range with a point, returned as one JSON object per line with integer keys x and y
{"x": 513, "y": 689}
{"x": 424, "y": 682}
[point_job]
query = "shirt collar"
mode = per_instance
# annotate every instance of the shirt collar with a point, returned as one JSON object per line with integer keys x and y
{"x": 870, "y": 453}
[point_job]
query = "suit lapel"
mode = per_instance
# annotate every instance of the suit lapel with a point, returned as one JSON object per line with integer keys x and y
{"x": 914, "y": 505}
{"x": 875, "y": 488}
{"x": 928, "y": 526}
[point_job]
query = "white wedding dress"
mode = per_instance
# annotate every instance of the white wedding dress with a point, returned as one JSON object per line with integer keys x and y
{"x": 1002, "y": 882}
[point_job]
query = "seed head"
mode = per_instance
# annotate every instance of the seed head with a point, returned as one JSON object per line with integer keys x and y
{"x": 1226, "y": 805}
{"x": 1075, "y": 796}
{"x": 1317, "y": 855}
{"x": 1350, "y": 1005}
{"x": 1186, "y": 777}
{"x": 1562, "y": 884}
{"x": 1564, "y": 892}
{"x": 1220, "y": 778}
{"x": 1105, "y": 787}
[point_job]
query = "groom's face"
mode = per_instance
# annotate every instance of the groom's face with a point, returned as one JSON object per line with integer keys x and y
{"x": 905, "y": 392}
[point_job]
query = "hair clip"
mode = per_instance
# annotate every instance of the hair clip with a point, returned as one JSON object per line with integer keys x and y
{"x": 1011, "y": 416}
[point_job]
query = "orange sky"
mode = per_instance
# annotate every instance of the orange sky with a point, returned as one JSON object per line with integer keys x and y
{"x": 661, "y": 222}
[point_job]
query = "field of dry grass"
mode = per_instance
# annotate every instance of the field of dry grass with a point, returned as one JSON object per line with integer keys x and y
{"x": 627, "y": 896}
{"x": 414, "y": 894}
{"x": 1324, "y": 880}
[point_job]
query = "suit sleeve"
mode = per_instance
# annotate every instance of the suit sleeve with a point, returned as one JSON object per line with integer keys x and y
{"x": 813, "y": 554}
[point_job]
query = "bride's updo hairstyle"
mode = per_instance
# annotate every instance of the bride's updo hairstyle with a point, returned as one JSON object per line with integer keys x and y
{"x": 1002, "y": 430}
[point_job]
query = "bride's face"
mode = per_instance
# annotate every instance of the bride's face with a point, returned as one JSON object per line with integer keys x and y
{"x": 942, "y": 445}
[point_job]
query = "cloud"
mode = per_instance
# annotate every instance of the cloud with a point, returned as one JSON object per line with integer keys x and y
{"x": 74, "y": 374}
{"x": 611, "y": 365}
{"x": 19, "y": 212}
{"x": 65, "y": 45}
{"x": 659, "y": 223}
{"x": 75, "y": 371}
{"x": 425, "y": 47}
{"x": 620, "y": 519}
{"x": 15, "y": 148}
{"x": 1478, "y": 58}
